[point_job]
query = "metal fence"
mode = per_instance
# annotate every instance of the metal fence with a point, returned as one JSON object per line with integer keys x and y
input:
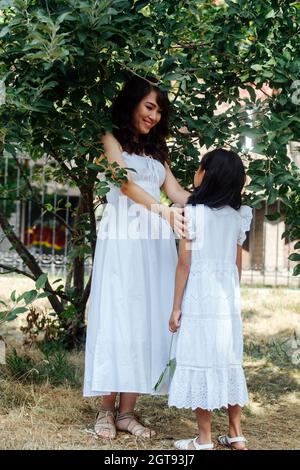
{"x": 44, "y": 234}
{"x": 265, "y": 257}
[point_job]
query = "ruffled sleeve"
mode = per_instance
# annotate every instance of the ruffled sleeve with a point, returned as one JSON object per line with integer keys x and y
{"x": 189, "y": 213}
{"x": 246, "y": 217}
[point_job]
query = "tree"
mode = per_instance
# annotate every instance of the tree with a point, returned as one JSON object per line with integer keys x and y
{"x": 63, "y": 61}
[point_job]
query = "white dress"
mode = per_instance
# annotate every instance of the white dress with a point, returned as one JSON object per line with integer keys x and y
{"x": 132, "y": 290}
{"x": 209, "y": 351}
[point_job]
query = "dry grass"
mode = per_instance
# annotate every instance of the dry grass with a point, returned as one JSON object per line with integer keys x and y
{"x": 47, "y": 417}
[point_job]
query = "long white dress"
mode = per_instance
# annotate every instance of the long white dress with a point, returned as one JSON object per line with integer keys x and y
{"x": 209, "y": 351}
{"x": 132, "y": 290}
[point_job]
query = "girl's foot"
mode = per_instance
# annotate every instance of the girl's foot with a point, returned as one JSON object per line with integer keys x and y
{"x": 105, "y": 426}
{"x": 234, "y": 443}
{"x": 128, "y": 422}
{"x": 192, "y": 444}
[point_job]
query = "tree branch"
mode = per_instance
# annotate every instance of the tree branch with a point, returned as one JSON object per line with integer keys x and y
{"x": 136, "y": 74}
{"x": 64, "y": 167}
{"x": 9, "y": 269}
{"x": 24, "y": 273}
{"x": 86, "y": 291}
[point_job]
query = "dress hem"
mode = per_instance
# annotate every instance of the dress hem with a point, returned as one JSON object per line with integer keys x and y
{"x": 212, "y": 408}
{"x": 108, "y": 392}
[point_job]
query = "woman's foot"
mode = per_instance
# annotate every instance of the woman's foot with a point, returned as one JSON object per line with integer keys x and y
{"x": 105, "y": 425}
{"x": 128, "y": 422}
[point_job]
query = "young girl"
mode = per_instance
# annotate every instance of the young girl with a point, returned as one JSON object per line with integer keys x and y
{"x": 206, "y": 308}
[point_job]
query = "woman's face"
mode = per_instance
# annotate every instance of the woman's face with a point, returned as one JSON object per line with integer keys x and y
{"x": 146, "y": 114}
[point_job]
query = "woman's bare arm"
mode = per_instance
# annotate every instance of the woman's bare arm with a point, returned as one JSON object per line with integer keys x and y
{"x": 175, "y": 192}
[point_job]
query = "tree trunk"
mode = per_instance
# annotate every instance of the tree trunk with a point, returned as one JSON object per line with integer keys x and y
{"x": 29, "y": 260}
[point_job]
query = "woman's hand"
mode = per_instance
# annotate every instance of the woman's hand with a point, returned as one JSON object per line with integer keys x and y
{"x": 174, "y": 322}
{"x": 175, "y": 217}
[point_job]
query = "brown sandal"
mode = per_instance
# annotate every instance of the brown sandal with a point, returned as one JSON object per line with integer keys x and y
{"x": 134, "y": 427}
{"x": 104, "y": 423}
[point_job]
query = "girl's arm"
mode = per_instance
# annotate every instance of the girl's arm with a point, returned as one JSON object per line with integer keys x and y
{"x": 182, "y": 273}
{"x": 174, "y": 215}
{"x": 239, "y": 253}
{"x": 174, "y": 191}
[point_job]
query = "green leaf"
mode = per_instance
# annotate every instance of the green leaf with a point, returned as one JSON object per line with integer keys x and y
{"x": 63, "y": 16}
{"x": 282, "y": 178}
{"x": 13, "y": 296}
{"x": 41, "y": 281}
{"x": 94, "y": 166}
{"x": 42, "y": 295}
{"x": 272, "y": 197}
{"x": 296, "y": 270}
{"x": 297, "y": 246}
{"x": 294, "y": 257}
{"x": 10, "y": 149}
{"x": 18, "y": 310}
{"x": 256, "y": 67}
{"x": 10, "y": 317}
{"x": 30, "y": 296}
{"x": 102, "y": 191}
{"x": 4, "y": 31}
{"x": 254, "y": 187}
{"x": 174, "y": 76}
{"x": 251, "y": 92}
{"x": 271, "y": 14}
{"x": 274, "y": 216}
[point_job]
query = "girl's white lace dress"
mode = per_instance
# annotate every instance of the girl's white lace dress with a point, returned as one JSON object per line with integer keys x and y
{"x": 132, "y": 290}
{"x": 209, "y": 351}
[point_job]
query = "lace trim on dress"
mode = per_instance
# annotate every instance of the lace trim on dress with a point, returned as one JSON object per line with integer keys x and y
{"x": 208, "y": 389}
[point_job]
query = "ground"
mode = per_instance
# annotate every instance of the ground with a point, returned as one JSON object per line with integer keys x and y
{"x": 44, "y": 416}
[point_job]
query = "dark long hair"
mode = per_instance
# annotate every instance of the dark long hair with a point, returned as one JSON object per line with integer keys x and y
{"x": 153, "y": 143}
{"x": 223, "y": 180}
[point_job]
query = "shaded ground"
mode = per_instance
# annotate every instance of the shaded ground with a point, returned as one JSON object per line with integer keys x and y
{"x": 43, "y": 416}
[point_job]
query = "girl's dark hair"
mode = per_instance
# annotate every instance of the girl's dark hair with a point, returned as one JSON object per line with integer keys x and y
{"x": 223, "y": 180}
{"x": 153, "y": 143}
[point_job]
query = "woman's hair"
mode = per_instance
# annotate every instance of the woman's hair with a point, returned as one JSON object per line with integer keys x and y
{"x": 223, "y": 180}
{"x": 153, "y": 143}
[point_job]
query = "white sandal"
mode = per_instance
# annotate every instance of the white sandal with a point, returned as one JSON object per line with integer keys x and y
{"x": 227, "y": 441}
{"x": 183, "y": 444}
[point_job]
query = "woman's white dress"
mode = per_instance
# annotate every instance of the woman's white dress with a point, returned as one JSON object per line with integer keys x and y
{"x": 209, "y": 351}
{"x": 132, "y": 290}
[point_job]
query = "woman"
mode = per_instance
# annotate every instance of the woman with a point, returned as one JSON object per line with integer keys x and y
{"x": 135, "y": 261}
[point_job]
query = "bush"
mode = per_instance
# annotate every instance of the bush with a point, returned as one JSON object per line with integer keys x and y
{"x": 54, "y": 368}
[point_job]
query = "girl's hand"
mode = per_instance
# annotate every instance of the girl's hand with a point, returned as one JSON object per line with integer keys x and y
{"x": 174, "y": 322}
{"x": 175, "y": 217}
